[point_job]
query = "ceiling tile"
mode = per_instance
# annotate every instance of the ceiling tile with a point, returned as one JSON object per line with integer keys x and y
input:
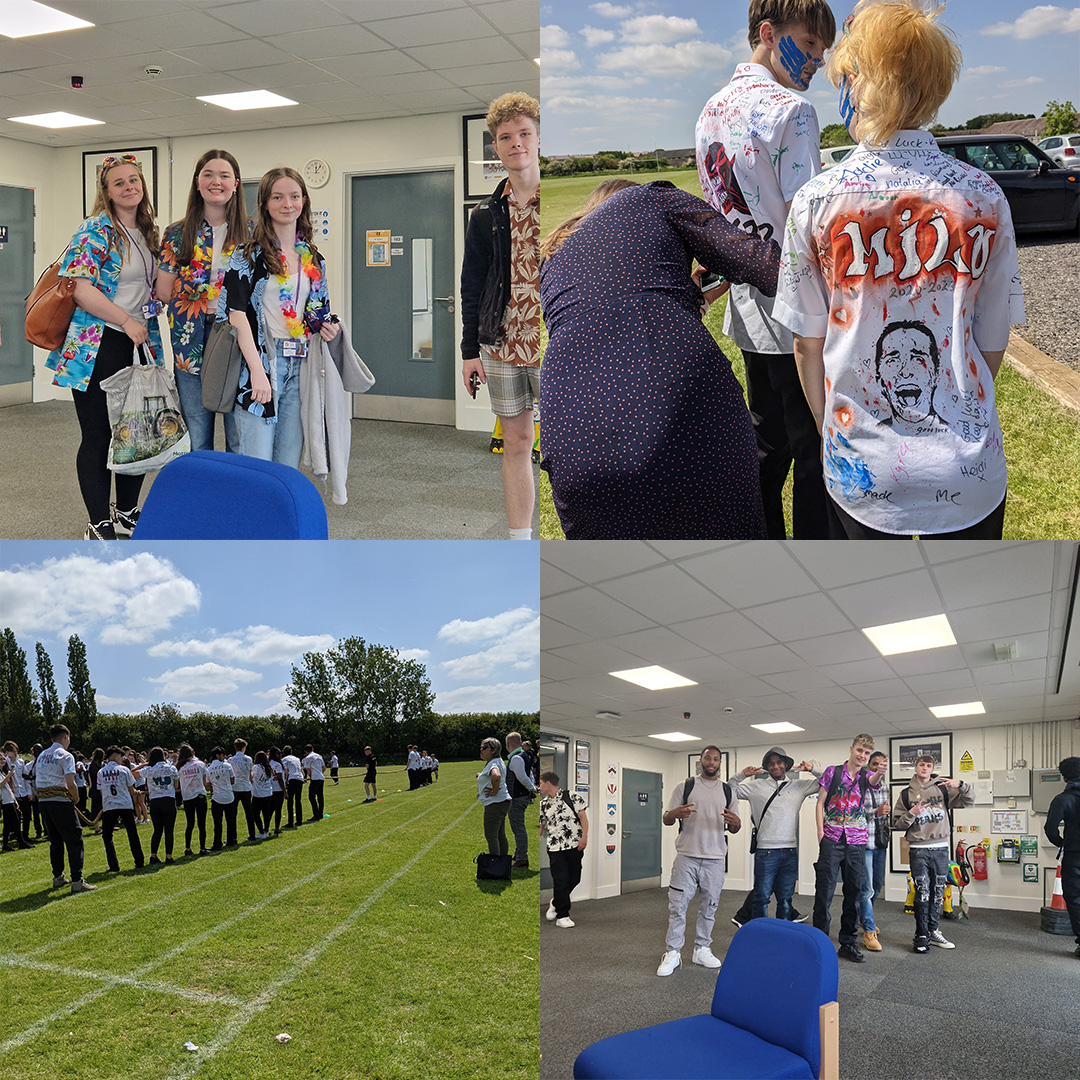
{"x": 658, "y": 646}
{"x": 890, "y": 599}
{"x": 833, "y": 565}
{"x": 722, "y": 633}
{"x": 458, "y": 25}
{"x": 750, "y": 574}
{"x": 770, "y": 659}
{"x": 836, "y": 648}
{"x": 594, "y": 614}
{"x": 998, "y": 575}
{"x": 665, "y": 594}
{"x": 802, "y": 617}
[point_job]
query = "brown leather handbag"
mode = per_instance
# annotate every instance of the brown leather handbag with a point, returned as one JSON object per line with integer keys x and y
{"x": 49, "y": 308}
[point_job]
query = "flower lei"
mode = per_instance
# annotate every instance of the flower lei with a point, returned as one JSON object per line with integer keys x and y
{"x": 293, "y": 322}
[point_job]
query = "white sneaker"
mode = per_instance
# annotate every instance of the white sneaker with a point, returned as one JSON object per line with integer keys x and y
{"x": 60, "y": 882}
{"x": 565, "y": 923}
{"x": 82, "y": 886}
{"x": 938, "y": 938}
{"x": 550, "y": 913}
{"x": 703, "y": 955}
{"x": 669, "y": 962}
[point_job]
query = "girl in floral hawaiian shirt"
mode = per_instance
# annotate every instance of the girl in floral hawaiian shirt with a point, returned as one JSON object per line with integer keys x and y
{"x": 112, "y": 257}
{"x": 274, "y": 293}
{"x": 194, "y": 254}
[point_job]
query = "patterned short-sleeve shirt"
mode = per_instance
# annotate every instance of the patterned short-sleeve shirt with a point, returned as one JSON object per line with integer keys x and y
{"x": 562, "y": 831}
{"x": 522, "y": 319}
{"x": 844, "y": 813}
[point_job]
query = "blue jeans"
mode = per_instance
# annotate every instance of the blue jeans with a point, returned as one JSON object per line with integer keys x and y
{"x": 200, "y": 421}
{"x": 873, "y": 883}
{"x": 775, "y": 869}
{"x": 281, "y": 439}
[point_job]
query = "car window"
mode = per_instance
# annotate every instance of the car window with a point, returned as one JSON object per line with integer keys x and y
{"x": 950, "y": 150}
{"x": 1050, "y": 144}
{"x": 983, "y": 157}
{"x": 1074, "y": 140}
{"x": 1016, "y": 155}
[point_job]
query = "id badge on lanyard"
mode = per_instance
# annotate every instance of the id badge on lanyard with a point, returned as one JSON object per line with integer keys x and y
{"x": 294, "y": 347}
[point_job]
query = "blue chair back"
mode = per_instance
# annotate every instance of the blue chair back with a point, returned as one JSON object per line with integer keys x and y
{"x": 775, "y": 976}
{"x": 208, "y": 495}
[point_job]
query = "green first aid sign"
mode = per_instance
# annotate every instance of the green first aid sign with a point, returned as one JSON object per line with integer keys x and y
{"x": 1031, "y": 872}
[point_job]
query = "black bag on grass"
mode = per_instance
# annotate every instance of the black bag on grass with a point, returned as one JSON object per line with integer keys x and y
{"x": 492, "y": 867}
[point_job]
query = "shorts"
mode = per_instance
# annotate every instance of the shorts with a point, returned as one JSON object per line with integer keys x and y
{"x": 512, "y": 387}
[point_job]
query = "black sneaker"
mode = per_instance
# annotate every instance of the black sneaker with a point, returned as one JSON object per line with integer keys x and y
{"x": 852, "y": 953}
{"x": 920, "y": 946}
{"x": 154, "y": 860}
{"x": 124, "y": 521}
{"x": 103, "y": 530}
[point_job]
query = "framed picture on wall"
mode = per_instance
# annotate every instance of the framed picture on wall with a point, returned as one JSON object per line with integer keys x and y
{"x": 903, "y": 750}
{"x": 145, "y": 158}
{"x": 581, "y": 751}
{"x": 483, "y": 169}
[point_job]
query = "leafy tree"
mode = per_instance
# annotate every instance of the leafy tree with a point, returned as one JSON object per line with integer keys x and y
{"x": 1061, "y": 118}
{"x": 50, "y": 700}
{"x": 835, "y": 135}
{"x": 977, "y": 123}
{"x": 80, "y": 708}
{"x": 18, "y": 703}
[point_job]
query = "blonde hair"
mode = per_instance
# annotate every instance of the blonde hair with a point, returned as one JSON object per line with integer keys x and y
{"x": 144, "y": 212}
{"x": 815, "y": 15}
{"x": 904, "y": 63}
{"x": 863, "y": 740}
{"x": 551, "y": 243}
{"x": 507, "y": 106}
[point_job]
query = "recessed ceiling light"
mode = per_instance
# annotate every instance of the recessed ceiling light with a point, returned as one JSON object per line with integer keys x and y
{"x": 776, "y": 729}
{"x": 24, "y": 18}
{"x": 969, "y": 708}
{"x": 55, "y": 120}
{"x": 248, "y": 99}
{"x": 911, "y": 635}
{"x": 653, "y": 678}
{"x": 676, "y": 736}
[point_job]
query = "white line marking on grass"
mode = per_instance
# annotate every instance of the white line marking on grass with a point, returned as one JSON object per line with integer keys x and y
{"x": 79, "y": 974}
{"x": 247, "y": 1012}
{"x": 41, "y": 1025}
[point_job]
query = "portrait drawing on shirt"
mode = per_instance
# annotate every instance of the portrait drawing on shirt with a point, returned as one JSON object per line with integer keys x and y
{"x": 908, "y": 367}
{"x": 721, "y": 171}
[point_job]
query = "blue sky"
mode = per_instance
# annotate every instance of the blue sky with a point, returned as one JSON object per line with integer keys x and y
{"x": 634, "y": 75}
{"x": 217, "y": 626}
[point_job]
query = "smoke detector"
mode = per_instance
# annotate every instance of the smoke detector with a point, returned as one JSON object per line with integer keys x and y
{"x": 608, "y": 716}
{"x": 1006, "y": 650}
{"x": 153, "y": 70}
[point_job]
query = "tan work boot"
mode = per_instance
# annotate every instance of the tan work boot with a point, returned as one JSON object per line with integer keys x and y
{"x": 870, "y": 941}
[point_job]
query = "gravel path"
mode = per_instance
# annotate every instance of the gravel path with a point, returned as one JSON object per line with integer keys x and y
{"x": 1050, "y": 272}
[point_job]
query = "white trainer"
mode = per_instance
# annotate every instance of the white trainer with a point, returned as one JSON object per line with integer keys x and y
{"x": 565, "y": 922}
{"x": 550, "y": 913}
{"x": 703, "y": 955}
{"x": 669, "y": 962}
{"x": 938, "y": 938}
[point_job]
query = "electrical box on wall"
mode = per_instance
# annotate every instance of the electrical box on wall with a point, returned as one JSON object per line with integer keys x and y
{"x": 1045, "y": 784}
{"x": 1010, "y": 783}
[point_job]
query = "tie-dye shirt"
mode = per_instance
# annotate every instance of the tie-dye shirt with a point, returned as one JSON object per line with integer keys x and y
{"x": 845, "y": 812}
{"x": 904, "y": 260}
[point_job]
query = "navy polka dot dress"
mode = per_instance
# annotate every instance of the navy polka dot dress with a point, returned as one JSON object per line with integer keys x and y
{"x": 645, "y": 431}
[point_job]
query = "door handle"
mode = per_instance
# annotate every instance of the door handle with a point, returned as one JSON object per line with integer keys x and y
{"x": 626, "y": 834}
{"x": 448, "y": 300}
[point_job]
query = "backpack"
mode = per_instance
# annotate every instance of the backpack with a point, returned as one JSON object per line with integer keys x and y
{"x": 837, "y": 779}
{"x": 565, "y": 796}
{"x": 516, "y": 787}
{"x": 688, "y": 786}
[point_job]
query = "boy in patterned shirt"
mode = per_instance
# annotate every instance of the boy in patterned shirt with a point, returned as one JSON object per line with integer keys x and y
{"x": 565, "y": 828}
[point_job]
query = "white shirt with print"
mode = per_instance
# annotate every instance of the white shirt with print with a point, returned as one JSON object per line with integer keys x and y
{"x": 293, "y": 770}
{"x": 114, "y": 780}
{"x": 50, "y": 768}
{"x": 757, "y": 143}
{"x": 160, "y": 780}
{"x": 314, "y": 764}
{"x": 221, "y": 776}
{"x": 904, "y": 260}
{"x": 241, "y": 766}
{"x": 192, "y": 776}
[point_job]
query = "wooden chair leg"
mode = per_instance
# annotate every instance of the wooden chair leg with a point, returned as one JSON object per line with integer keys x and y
{"x": 829, "y": 1029}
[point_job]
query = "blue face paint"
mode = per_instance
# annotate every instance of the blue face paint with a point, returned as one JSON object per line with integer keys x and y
{"x": 847, "y": 106}
{"x": 799, "y": 65}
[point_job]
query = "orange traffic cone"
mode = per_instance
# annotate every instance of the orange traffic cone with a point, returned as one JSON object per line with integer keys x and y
{"x": 1058, "y": 900}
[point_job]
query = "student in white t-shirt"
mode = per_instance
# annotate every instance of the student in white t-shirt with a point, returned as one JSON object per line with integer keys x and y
{"x": 162, "y": 785}
{"x": 194, "y": 784}
{"x": 262, "y": 794}
{"x": 294, "y": 788}
{"x": 313, "y": 769}
{"x": 334, "y": 768}
{"x": 118, "y": 806}
{"x": 241, "y": 765}
{"x": 278, "y": 798}
{"x": 222, "y": 802}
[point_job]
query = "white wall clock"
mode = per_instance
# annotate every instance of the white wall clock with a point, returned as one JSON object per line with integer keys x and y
{"x": 317, "y": 173}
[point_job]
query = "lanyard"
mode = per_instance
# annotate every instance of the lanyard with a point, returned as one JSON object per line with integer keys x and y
{"x": 142, "y": 258}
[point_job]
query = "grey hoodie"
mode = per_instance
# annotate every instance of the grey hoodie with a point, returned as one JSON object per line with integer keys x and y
{"x": 778, "y": 830}
{"x": 931, "y": 826}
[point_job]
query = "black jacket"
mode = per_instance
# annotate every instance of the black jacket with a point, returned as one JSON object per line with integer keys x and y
{"x": 485, "y": 273}
{"x": 1065, "y": 807}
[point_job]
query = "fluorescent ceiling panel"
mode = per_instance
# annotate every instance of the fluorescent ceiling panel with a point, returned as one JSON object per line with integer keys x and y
{"x": 653, "y": 678}
{"x": 24, "y": 18}
{"x": 55, "y": 120}
{"x": 777, "y": 729}
{"x": 248, "y": 99}
{"x": 911, "y": 635}
{"x": 969, "y": 708}
{"x": 677, "y": 736}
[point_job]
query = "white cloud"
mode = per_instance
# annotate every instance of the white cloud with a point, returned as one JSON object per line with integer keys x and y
{"x": 1031, "y": 80}
{"x": 1036, "y": 21}
{"x": 558, "y": 60}
{"x": 665, "y": 60}
{"x": 518, "y": 647}
{"x": 553, "y": 37}
{"x": 983, "y": 69}
{"x": 647, "y": 29}
{"x": 594, "y": 37}
{"x": 125, "y": 599}
{"x": 574, "y": 84}
{"x": 272, "y": 694}
{"x": 616, "y": 108}
{"x": 254, "y": 645}
{"x": 498, "y": 697}
{"x": 611, "y": 11}
{"x": 120, "y": 704}
{"x": 463, "y": 632}
{"x": 413, "y": 654}
{"x": 203, "y": 679}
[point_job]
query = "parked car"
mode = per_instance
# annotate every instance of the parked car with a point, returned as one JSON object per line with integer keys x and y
{"x": 1063, "y": 149}
{"x": 1042, "y": 197}
{"x": 833, "y": 155}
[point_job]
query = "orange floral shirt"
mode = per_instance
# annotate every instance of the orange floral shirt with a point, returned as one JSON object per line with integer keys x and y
{"x": 522, "y": 320}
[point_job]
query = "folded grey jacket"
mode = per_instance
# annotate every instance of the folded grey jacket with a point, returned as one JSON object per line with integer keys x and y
{"x": 778, "y": 830}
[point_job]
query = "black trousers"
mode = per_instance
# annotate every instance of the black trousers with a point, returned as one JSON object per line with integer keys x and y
{"x": 12, "y": 830}
{"x": 295, "y": 805}
{"x": 786, "y": 433}
{"x": 26, "y": 812}
{"x": 414, "y": 778}
{"x": 1070, "y": 888}
{"x": 276, "y": 802}
{"x": 163, "y": 815}
{"x": 109, "y": 820}
{"x": 261, "y": 809}
{"x": 64, "y": 833}
{"x": 95, "y": 481}
{"x": 228, "y": 812}
{"x": 315, "y": 797}
{"x": 195, "y": 810}
{"x": 831, "y": 855}
{"x": 244, "y": 799}
{"x": 565, "y": 876}
{"x": 990, "y": 528}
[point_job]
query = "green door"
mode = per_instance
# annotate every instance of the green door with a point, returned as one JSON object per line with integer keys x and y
{"x": 16, "y": 281}
{"x": 642, "y": 829}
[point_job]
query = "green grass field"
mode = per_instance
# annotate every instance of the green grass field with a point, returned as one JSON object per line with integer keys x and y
{"x": 1042, "y": 439}
{"x": 365, "y": 937}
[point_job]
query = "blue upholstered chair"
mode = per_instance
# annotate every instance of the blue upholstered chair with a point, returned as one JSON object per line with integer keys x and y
{"x": 208, "y": 495}
{"x": 774, "y": 1014}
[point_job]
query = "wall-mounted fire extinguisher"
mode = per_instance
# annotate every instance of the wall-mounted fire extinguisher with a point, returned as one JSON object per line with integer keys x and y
{"x": 978, "y": 862}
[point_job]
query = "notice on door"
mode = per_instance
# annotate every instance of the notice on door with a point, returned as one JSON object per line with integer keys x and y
{"x": 378, "y": 247}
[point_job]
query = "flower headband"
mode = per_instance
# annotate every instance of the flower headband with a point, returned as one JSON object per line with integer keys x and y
{"x": 123, "y": 159}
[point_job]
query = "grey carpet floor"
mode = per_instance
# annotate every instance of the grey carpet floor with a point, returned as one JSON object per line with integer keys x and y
{"x": 1003, "y": 1005}
{"x": 406, "y": 481}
